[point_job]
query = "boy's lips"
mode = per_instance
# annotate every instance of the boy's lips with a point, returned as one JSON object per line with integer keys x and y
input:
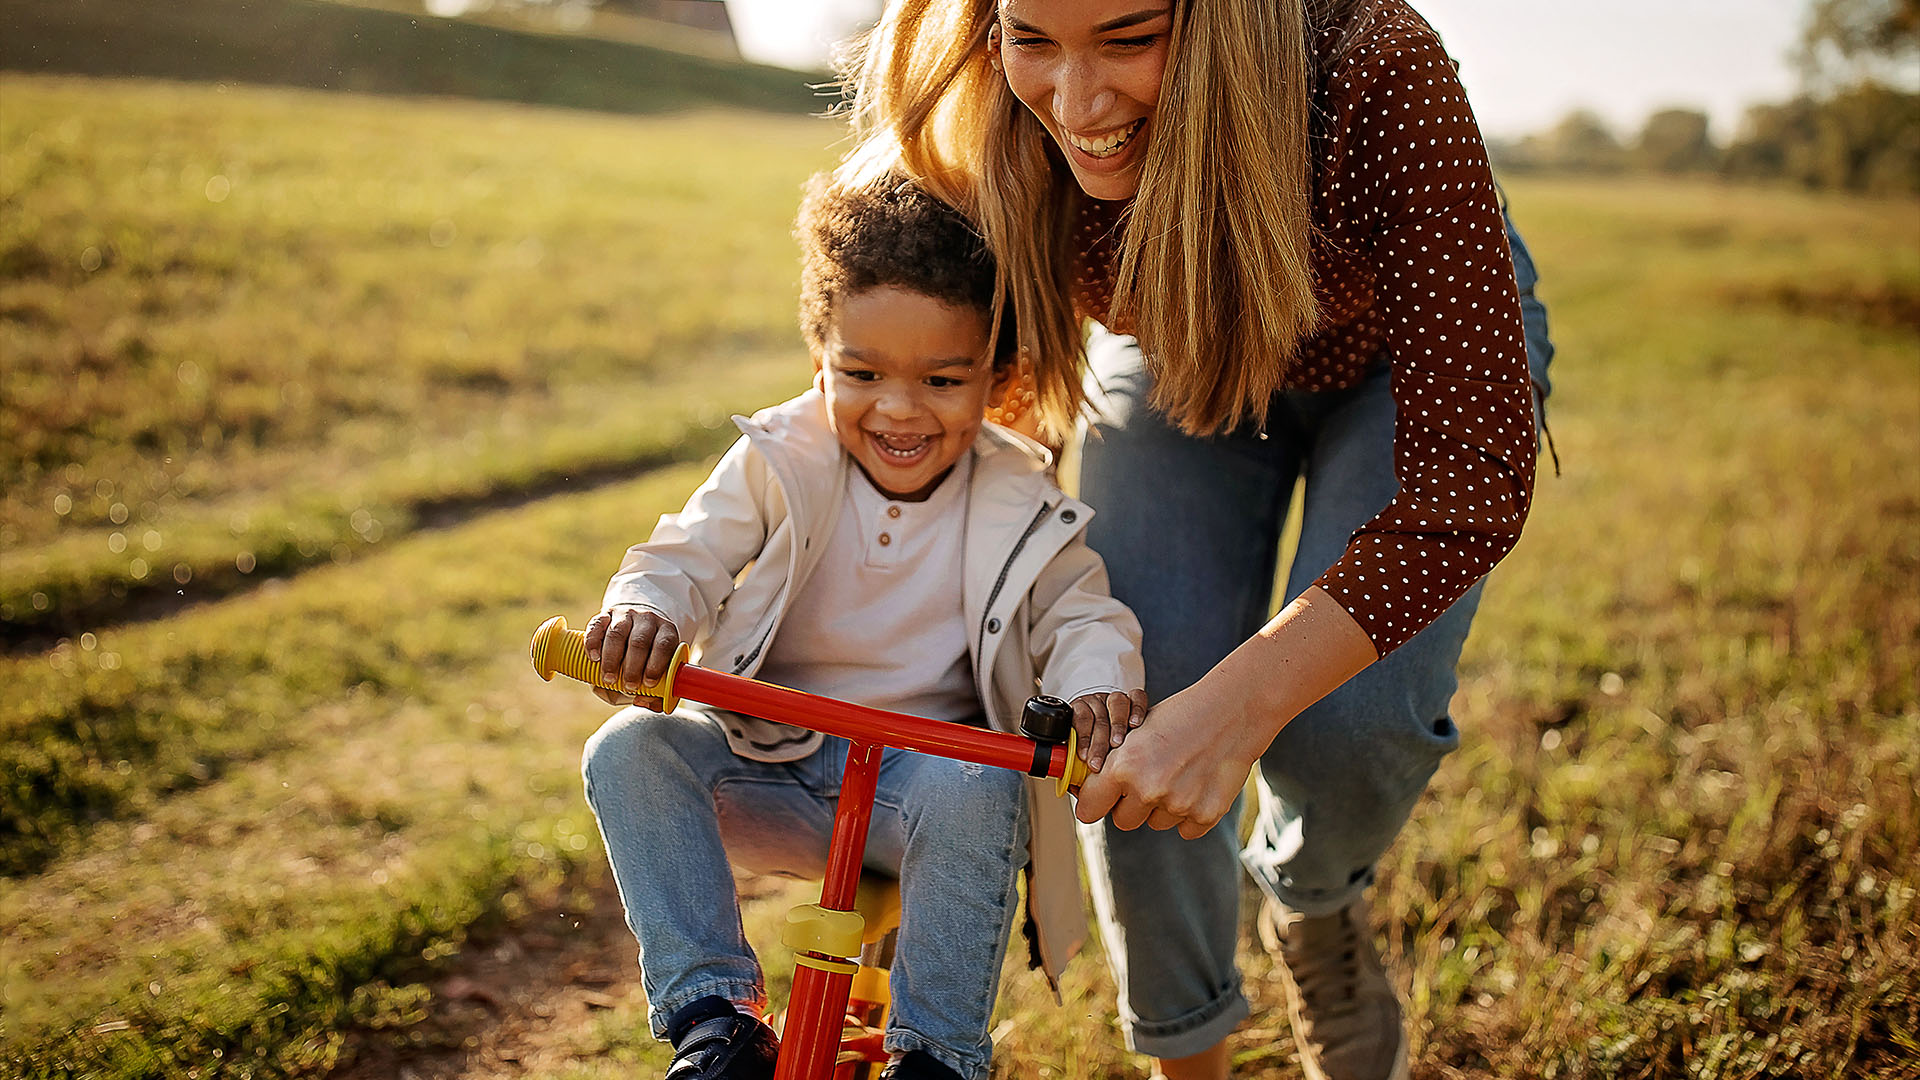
{"x": 901, "y": 448}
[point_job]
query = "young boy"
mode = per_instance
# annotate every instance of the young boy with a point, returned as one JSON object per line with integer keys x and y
{"x": 871, "y": 540}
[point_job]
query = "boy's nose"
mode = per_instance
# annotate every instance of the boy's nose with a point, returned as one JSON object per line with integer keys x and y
{"x": 897, "y": 404}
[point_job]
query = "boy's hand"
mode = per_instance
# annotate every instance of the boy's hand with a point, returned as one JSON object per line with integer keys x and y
{"x": 633, "y": 646}
{"x": 1103, "y": 721}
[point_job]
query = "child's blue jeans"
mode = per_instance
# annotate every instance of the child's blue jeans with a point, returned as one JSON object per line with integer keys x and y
{"x": 678, "y": 808}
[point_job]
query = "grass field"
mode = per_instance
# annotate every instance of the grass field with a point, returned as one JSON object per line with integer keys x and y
{"x": 380, "y": 383}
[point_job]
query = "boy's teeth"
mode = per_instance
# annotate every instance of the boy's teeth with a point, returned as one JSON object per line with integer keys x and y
{"x": 1108, "y": 144}
{"x": 902, "y": 444}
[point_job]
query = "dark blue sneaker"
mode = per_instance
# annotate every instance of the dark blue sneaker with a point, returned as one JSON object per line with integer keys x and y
{"x": 714, "y": 1041}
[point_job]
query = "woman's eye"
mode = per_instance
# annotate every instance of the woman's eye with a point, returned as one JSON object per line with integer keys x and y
{"x": 1146, "y": 42}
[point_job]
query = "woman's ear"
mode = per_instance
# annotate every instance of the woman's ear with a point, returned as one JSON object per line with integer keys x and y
{"x": 993, "y": 44}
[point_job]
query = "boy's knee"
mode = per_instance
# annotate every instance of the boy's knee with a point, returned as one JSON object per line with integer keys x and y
{"x": 628, "y": 738}
{"x": 970, "y": 796}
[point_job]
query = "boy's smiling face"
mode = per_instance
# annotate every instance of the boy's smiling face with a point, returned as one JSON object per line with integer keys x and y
{"x": 907, "y": 379}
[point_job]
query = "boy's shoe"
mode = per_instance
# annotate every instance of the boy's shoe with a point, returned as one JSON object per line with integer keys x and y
{"x": 1346, "y": 1015}
{"x": 918, "y": 1065}
{"x": 714, "y": 1041}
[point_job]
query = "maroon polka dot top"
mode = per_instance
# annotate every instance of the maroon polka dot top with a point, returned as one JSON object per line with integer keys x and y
{"x": 1413, "y": 271}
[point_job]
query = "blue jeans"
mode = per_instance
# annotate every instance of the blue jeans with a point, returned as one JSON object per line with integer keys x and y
{"x": 1190, "y": 531}
{"x": 677, "y": 807}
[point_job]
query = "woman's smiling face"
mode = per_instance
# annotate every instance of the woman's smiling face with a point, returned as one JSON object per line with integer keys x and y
{"x": 1090, "y": 71}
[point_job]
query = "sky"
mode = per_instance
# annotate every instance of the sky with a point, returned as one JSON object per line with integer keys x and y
{"x": 1525, "y": 63}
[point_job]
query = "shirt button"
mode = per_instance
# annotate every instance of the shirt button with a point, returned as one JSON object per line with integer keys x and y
{"x": 1069, "y": 516}
{"x": 893, "y": 511}
{"x": 885, "y": 539}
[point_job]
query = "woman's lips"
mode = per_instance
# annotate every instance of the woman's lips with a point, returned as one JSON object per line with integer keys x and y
{"x": 1100, "y": 147}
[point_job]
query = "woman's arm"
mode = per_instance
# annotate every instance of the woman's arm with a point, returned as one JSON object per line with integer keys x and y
{"x": 1184, "y": 766}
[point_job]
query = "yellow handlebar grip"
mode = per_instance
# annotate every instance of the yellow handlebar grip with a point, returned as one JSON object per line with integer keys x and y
{"x": 559, "y": 650}
{"x": 1075, "y": 773}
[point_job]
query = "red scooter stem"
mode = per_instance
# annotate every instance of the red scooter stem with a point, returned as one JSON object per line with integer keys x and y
{"x": 818, "y": 1003}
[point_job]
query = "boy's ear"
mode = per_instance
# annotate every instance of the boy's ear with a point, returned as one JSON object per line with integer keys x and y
{"x": 819, "y": 374}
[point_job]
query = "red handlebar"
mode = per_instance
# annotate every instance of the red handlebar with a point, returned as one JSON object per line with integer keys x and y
{"x": 559, "y": 649}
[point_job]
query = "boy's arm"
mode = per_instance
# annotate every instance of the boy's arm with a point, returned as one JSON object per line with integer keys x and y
{"x": 1085, "y": 645}
{"x": 686, "y": 569}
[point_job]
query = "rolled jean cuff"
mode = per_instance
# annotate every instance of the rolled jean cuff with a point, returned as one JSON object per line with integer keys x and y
{"x": 1187, "y": 1035}
{"x": 740, "y": 992}
{"x": 902, "y": 1040}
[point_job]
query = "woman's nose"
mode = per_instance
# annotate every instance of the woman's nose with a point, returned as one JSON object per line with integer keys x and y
{"x": 1081, "y": 98}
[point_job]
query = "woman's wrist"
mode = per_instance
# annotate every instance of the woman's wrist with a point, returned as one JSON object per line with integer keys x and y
{"x": 1305, "y": 653}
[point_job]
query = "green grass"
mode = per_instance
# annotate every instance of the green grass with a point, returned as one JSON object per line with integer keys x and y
{"x": 229, "y": 356}
{"x": 1680, "y": 839}
{"x": 387, "y": 50}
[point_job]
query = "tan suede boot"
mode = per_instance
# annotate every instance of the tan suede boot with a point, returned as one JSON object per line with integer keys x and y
{"x": 1346, "y": 1016}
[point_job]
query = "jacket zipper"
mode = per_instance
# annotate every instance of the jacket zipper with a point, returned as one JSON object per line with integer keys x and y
{"x": 986, "y": 611}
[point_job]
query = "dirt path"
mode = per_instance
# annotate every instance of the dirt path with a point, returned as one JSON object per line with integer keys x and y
{"x": 512, "y": 1004}
{"x": 519, "y": 1002}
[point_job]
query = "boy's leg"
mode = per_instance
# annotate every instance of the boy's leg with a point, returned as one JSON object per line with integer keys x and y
{"x": 664, "y": 789}
{"x": 956, "y": 833}
{"x": 1190, "y": 531}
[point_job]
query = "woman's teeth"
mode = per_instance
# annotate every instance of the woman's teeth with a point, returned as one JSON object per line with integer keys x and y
{"x": 1106, "y": 145}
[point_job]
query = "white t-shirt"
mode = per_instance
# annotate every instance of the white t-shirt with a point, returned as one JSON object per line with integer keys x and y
{"x": 879, "y": 621}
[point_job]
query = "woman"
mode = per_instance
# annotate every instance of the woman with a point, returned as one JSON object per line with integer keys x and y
{"x": 1280, "y": 212}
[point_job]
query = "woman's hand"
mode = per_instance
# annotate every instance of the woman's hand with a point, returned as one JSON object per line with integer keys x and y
{"x": 1181, "y": 769}
{"x": 1103, "y": 720}
{"x": 634, "y": 646}
{"x": 1184, "y": 766}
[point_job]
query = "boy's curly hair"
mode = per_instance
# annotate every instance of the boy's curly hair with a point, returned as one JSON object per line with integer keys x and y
{"x": 890, "y": 232}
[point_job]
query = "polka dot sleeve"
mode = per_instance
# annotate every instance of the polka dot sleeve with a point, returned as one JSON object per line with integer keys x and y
{"x": 1404, "y": 179}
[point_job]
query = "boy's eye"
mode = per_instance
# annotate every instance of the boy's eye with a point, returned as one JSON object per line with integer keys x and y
{"x": 859, "y": 374}
{"x": 944, "y": 382}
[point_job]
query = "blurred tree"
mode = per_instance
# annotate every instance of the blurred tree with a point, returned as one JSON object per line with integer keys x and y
{"x": 1864, "y": 138}
{"x": 1675, "y": 141}
{"x": 1580, "y": 141}
{"x": 1849, "y": 41}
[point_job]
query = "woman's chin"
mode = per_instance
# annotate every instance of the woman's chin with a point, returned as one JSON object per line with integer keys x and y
{"x": 1106, "y": 184}
{"x": 1111, "y": 188}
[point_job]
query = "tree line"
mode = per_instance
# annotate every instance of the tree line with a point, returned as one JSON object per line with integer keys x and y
{"x": 1854, "y": 126}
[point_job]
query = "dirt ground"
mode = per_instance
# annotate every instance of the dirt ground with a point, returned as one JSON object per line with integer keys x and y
{"x": 511, "y": 1005}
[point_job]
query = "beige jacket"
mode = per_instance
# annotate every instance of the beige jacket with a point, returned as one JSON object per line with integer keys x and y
{"x": 1034, "y": 595}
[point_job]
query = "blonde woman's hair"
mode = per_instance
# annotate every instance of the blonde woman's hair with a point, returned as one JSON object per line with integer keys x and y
{"x": 1215, "y": 268}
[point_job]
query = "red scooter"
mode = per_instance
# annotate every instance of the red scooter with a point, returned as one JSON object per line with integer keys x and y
{"x": 817, "y": 1043}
